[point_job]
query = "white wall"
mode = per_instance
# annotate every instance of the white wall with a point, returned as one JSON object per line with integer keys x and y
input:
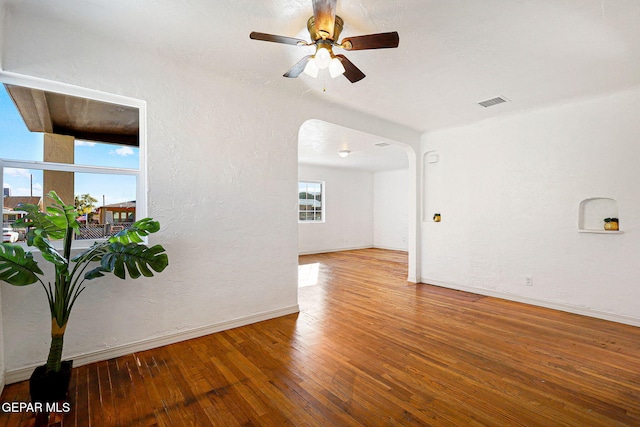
{"x": 391, "y": 209}
{"x": 2, "y": 369}
{"x": 2, "y": 25}
{"x": 509, "y": 193}
{"x": 349, "y": 216}
{"x": 222, "y": 181}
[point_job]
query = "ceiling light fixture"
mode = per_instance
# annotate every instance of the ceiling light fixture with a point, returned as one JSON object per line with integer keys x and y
{"x": 336, "y": 68}
{"x": 311, "y": 69}
{"x": 324, "y": 58}
{"x": 344, "y": 153}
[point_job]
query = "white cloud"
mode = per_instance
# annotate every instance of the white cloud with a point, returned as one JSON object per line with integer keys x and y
{"x": 123, "y": 151}
{"x": 36, "y": 191}
{"x": 15, "y": 172}
{"x": 80, "y": 143}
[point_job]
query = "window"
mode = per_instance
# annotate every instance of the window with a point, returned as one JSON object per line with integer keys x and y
{"x": 96, "y": 161}
{"x": 310, "y": 201}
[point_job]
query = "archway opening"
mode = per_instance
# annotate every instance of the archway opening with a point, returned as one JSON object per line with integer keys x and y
{"x": 363, "y": 193}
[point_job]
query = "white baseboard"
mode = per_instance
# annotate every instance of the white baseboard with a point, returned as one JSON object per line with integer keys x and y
{"x": 389, "y": 248}
{"x": 583, "y": 311}
{"x": 326, "y": 251}
{"x": 352, "y": 249}
{"x": 22, "y": 374}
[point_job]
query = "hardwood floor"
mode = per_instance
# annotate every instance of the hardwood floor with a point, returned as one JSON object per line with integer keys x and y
{"x": 370, "y": 349}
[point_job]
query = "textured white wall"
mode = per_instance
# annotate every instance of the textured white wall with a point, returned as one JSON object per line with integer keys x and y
{"x": 2, "y": 25}
{"x": 349, "y": 211}
{"x": 510, "y": 189}
{"x": 222, "y": 181}
{"x": 2, "y": 369}
{"x": 391, "y": 209}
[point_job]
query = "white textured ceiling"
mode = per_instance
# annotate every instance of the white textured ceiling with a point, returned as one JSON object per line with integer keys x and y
{"x": 319, "y": 143}
{"x": 452, "y": 53}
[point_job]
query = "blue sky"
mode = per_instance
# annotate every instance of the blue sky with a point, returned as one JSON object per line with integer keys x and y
{"x": 17, "y": 143}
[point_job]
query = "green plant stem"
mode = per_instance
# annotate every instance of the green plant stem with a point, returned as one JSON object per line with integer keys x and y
{"x": 54, "y": 361}
{"x": 68, "y": 239}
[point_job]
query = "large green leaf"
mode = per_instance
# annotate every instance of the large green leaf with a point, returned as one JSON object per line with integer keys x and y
{"x": 40, "y": 221}
{"x": 52, "y": 224}
{"x": 138, "y": 229}
{"x": 48, "y": 251}
{"x": 17, "y": 267}
{"x": 133, "y": 234}
{"x": 133, "y": 258}
{"x": 61, "y": 214}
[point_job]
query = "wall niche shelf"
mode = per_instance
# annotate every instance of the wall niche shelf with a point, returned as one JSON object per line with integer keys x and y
{"x": 593, "y": 211}
{"x": 600, "y": 231}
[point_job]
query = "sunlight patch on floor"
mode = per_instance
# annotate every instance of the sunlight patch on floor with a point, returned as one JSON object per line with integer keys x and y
{"x": 308, "y": 274}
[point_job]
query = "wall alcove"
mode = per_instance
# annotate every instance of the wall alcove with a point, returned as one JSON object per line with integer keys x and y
{"x": 430, "y": 185}
{"x": 593, "y": 211}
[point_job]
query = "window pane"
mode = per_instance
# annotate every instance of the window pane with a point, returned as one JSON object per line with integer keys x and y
{"x": 105, "y": 203}
{"x": 22, "y": 182}
{"x": 96, "y": 136}
{"x": 102, "y": 154}
{"x": 310, "y": 201}
{"x": 16, "y": 141}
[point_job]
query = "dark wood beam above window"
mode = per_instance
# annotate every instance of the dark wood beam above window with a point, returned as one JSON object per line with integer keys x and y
{"x": 82, "y": 118}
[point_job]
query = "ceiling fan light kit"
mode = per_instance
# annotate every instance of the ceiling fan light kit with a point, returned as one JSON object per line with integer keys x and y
{"x": 344, "y": 153}
{"x": 311, "y": 69}
{"x": 324, "y": 29}
{"x": 324, "y": 58}
{"x": 336, "y": 68}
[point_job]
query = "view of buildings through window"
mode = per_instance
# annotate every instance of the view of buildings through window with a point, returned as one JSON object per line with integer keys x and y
{"x": 103, "y": 176}
{"x": 310, "y": 204}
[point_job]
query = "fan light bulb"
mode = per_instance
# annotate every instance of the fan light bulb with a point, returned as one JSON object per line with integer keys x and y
{"x": 344, "y": 153}
{"x": 336, "y": 68}
{"x": 311, "y": 69}
{"x": 322, "y": 58}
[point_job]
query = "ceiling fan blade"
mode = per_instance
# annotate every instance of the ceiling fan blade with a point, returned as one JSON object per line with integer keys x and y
{"x": 276, "y": 39}
{"x": 298, "y": 68}
{"x": 351, "y": 72}
{"x": 372, "y": 41}
{"x": 324, "y": 15}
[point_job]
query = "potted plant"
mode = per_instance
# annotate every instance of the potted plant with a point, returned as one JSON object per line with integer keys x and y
{"x": 119, "y": 254}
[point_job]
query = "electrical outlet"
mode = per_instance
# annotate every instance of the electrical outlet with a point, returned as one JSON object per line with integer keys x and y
{"x": 528, "y": 281}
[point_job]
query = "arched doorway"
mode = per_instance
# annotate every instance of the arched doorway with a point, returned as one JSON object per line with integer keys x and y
{"x": 368, "y": 194}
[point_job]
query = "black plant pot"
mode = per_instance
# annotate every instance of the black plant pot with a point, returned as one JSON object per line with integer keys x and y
{"x": 53, "y": 387}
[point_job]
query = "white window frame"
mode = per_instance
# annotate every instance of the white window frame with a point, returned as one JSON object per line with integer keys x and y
{"x": 65, "y": 89}
{"x": 323, "y": 207}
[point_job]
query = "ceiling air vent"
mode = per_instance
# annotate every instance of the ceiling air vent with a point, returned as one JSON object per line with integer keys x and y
{"x": 382, "y": 144}
{"x": 493, "y": 101}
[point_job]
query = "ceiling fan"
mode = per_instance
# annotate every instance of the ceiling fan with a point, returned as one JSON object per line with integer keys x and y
{"x": 325, "y": 28}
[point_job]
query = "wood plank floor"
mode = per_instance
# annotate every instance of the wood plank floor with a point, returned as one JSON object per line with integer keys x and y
{"x": 370, "y": 349}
